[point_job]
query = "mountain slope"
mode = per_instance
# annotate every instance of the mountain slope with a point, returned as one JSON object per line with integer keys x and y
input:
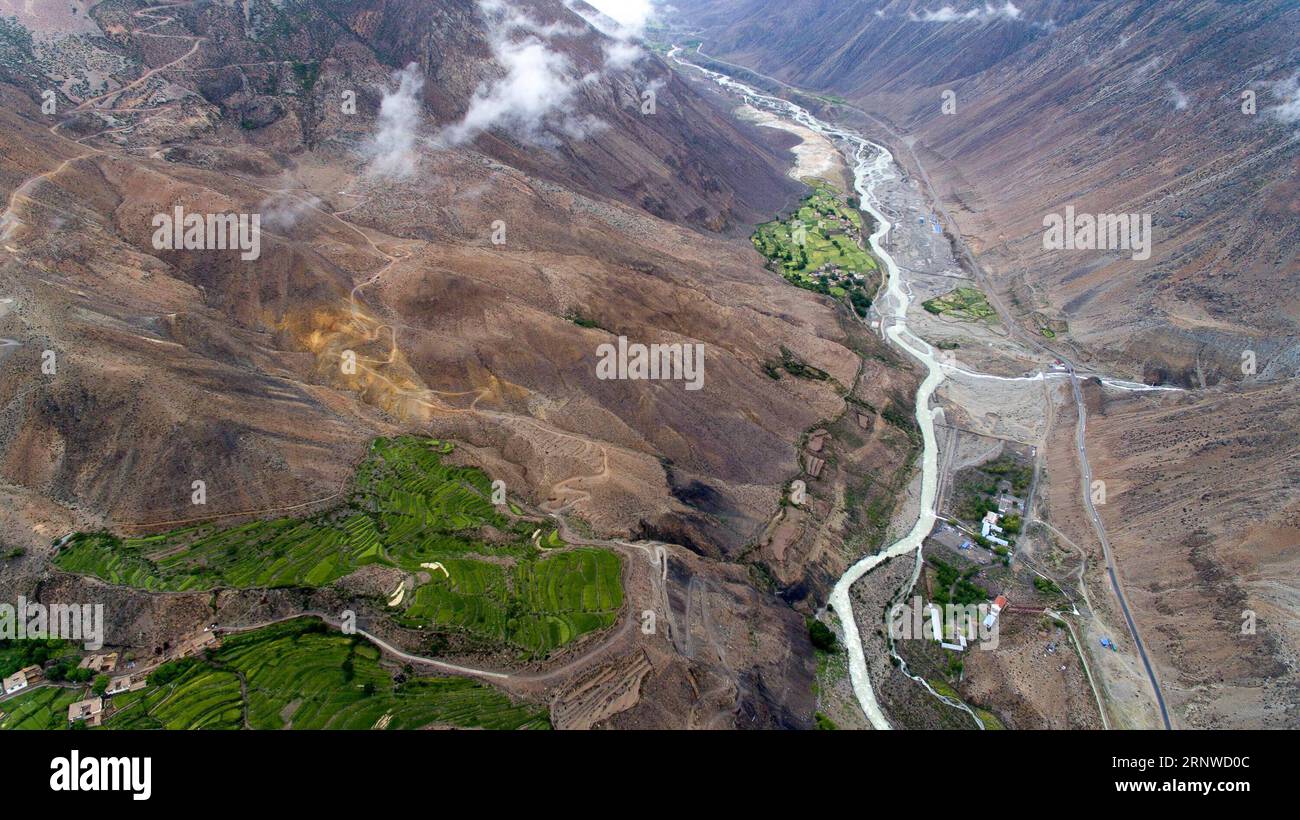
{"x": 380, "y": 245}
{"x": 1127, "y": 107}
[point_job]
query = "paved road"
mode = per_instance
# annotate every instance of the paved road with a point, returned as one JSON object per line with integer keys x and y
{"x": 1085, "y": 471}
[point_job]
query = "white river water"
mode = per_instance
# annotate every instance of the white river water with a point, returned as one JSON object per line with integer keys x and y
{"x": 872, "y": 164}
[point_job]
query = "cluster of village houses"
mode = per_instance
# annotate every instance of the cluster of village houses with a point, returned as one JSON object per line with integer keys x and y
{"x": 836, "y": 275}
{"x": 991, "y": 529}
{"x": 958, "y": 642}
{"x": 91, "y": 710}
{"x": 833, "y": 271}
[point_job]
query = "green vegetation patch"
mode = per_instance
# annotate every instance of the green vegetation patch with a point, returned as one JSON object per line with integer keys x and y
{"x": 820, "y": 247}
{"x": 954, "y": 586}
{"x": 15, "y": 654}
{"x": 536, "y": 605}
{"x": 965, "y": 304}
{"x": 821, "y": 635}
{"x": 989, "y": 719}
{"x": 307, "y": 74}
{"x": 795, "y": 366}
{"x": 979, "y": 489}
{"x": 943, "y": 688}
{"x": 296, "y": 675}
{"x": 1046, "y": 586}
{"x": 44, "y": 707}
{"x": 407, "y": 510}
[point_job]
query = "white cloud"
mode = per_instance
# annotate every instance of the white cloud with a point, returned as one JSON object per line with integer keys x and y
{"x": 630, "y": 14}
{"x": 989, "y": 11}
{"x": 623, "y": 21}
{"x": 393, "y": 147}
{"x": 621, "y": 54}
{"x": 538, "y": 85}
{"x": 1176, "y": 97}
{"x": 283, "y": 210}
{"x": 1288, "y": 91}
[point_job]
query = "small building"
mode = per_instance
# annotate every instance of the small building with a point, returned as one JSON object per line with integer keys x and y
{"x": 126, "y": 683}
{"x": 816, "y": 440}
{"x": 15, "y": 683}
{"x": 960, "y": 646}
{"x": 194, "y": 645}
{"x": 105, "y": 662}
{"x": 34, "y": 674}
{"x": 91, "y": 710}
{"x": 999, "y": 603}
{"x": 1008, "y": 503}
{"x": 989, "y": 527}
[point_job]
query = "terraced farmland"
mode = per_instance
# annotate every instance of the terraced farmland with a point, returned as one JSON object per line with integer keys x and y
{"x": 301, "y": 676}
{"x": 819, "y": 248}
{"x": 42, "y": 708}
{"x": 407, "y": 510}
{"x": 538, "y": 606}
{"x": 964, "y": 303}
{"x": 297, "y": 675}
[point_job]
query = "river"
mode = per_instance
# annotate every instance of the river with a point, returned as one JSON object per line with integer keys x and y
{"x": 872, "y": 164}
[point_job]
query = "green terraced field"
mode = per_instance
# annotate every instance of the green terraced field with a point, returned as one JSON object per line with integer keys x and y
{"x": 820, "y": 247}
{"x": 407, "y": 509}
{"x": 202, "y": 698}
{"x": 298, "y": 675}
{"x": 966, "y": 304}
{"x": 537, "y": 606}
{"x": 43, "y": 708}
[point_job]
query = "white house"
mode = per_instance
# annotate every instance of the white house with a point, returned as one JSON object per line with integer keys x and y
{"x": 998, "y": 604}
{"x": 990, "y": 526}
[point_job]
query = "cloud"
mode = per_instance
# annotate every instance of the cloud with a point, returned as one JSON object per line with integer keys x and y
{"x": 537, "y": 83}
{"x": 1288, "y": 91}
{"x": 393, "y": 147}
{"x": 539, "y": 86}
{"x": 1147, "y": 69}
{"x": 989, "y": 11}
{"x": 623, "y": 21}
{"x": 621, "y": 54}
{"x": 629, "y": 14}
{"x": 283, "y": 210}
{"x": 1176, "y": 97}
{"x": 8, "y": 226}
